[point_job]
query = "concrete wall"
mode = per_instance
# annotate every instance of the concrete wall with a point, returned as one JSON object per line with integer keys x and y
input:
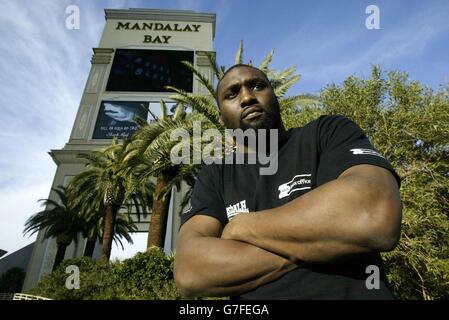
{"x": 17, "y": 259}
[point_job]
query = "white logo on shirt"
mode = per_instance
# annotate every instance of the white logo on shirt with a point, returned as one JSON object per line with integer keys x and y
{"x": 189, "y": 207}
{"x": 296, "y": 184}
{"x": 358, "y": 151}
{"x": 237, "y": 208}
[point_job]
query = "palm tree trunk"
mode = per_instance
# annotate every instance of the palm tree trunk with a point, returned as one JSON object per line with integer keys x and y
{"x": 159, "y": 214}
{"x": 90, "y": 247}
{"x": 108, "y": 234}
{"x": 59, "y": 255}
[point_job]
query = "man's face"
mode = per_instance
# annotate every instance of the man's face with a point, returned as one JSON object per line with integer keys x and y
{"x": 246, "y": 100}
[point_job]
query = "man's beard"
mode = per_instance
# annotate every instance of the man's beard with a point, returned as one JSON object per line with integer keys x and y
{"x": 270, "y": 119}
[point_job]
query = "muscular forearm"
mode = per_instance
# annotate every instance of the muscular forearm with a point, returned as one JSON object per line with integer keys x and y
{"x": 219, "y": 267}
{"x": 344, "y": 217}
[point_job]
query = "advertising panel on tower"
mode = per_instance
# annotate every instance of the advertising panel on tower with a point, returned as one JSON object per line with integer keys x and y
{"x": 116, "y": 118}
{"x": 150, "y": 70}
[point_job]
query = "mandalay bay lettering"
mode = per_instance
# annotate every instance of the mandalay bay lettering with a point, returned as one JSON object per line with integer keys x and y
{"x": 158, "y": 26}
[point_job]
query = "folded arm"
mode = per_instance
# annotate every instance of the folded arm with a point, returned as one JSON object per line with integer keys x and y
{"x": 356, "y": 213}
{"x": 205, "y": 264}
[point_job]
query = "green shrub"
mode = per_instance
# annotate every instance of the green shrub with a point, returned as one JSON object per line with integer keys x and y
{"x": 146, "y": 276}
{"x": 95, "y": 281}
{"x": 408, "y": 123}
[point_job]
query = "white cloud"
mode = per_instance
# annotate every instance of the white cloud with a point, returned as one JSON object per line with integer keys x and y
{"x": 16, "y": 205}
{"x": 42, "y": 75}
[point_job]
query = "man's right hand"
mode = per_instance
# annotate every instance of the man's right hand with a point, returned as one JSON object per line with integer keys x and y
{"x": 206, "y": 265}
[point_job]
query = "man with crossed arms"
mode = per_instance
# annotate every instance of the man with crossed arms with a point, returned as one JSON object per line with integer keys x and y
{"x": 313, "y": 230}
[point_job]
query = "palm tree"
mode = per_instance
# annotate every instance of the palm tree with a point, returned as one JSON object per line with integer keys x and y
{"x": 58, "y": 221}
{"x": 99, "y": 192}
{"x": 148, "y": 156}
{"x": 63, "y": 222}
{"x": 94, "y": 230}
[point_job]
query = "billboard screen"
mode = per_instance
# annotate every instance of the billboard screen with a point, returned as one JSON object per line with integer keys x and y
{"x": 116, "y": 118}
{"x": 150, "y": 70}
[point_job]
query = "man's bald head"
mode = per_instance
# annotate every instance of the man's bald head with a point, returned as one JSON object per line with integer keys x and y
{"x": 246, "y": 99}
{"x": 239, "y": 65}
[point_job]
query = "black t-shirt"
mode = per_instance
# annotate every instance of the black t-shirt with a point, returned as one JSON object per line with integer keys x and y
{"x": 308, "y": 157}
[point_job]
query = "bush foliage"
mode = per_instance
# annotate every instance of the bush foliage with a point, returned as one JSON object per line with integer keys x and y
{"x": 148, "y": 275}
{"x": 409, "y": 124}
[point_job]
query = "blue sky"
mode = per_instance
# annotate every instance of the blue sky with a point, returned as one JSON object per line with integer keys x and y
{"x": 44, "y": 67}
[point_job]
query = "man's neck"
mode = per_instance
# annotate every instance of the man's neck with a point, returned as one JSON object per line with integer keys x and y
{"x": 279, "y": 134}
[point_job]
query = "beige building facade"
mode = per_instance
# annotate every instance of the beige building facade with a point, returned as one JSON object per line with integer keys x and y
{"x": 137, "y": 56}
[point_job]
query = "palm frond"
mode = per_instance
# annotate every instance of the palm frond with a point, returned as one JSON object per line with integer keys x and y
{"x": 239, "y": 55}
{"x": 205, "y": 81}
{"x": 143, "y": 122}
{"x": 164, "y": 111}
{"x": 298, "y": 101}
{"x": 57, "y": 220}
{"x": 200, "y": 103}
{"x": 282, "y": 89}
{"x": 266, "y": 61}
{"x": 218, "y": 71}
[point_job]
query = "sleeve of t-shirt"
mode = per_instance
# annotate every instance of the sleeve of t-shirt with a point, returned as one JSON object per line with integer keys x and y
{"x": 206, "y": 197}
{"x": 343, "y": 144}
